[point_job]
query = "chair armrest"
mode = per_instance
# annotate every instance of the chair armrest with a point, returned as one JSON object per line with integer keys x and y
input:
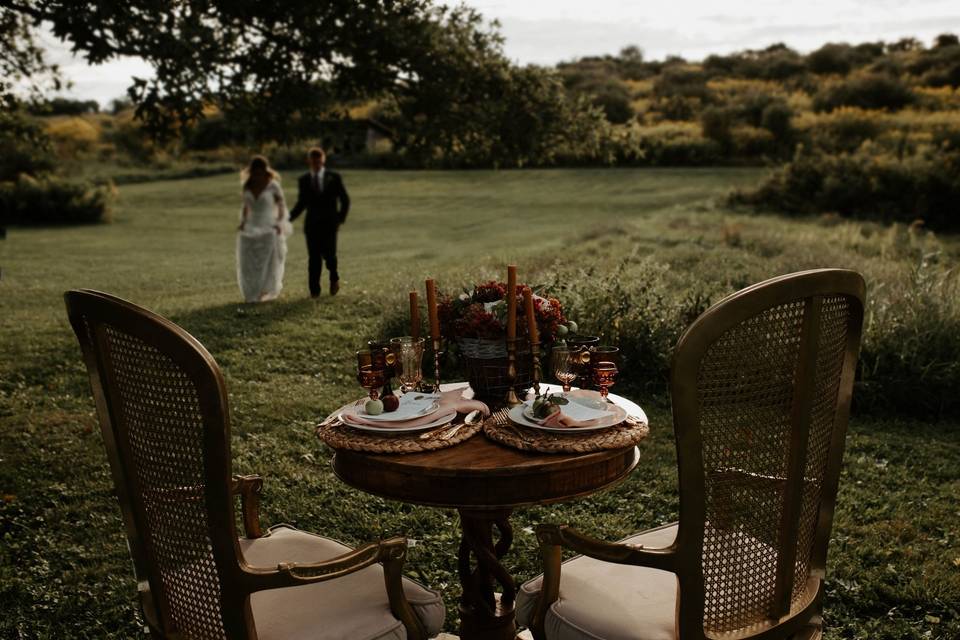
{"x": 554, "y": 538}
{"x": 616, "y": 552}
{"x": 249, "y": 488}
{"x": 391, "y": 553}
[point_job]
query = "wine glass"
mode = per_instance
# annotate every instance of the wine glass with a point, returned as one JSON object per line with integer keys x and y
{"x": 408, "y": 354}
{"x": 604, "y": 376}
{"x": 564, "y": 363}
{"x": 370, "y": 372}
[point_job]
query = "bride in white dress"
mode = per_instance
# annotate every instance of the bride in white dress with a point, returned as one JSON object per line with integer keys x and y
{"x": 262, "y": 238}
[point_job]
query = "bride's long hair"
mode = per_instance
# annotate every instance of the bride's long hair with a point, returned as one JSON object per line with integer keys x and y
{"x": 257, "y": 162}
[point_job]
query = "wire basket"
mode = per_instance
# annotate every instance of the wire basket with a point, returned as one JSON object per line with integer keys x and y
{"x": 486, "y": 362}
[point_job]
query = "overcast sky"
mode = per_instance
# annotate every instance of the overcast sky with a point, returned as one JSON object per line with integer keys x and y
{"x": 551, "y": 31}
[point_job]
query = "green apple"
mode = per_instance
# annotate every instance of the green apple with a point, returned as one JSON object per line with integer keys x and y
{"x": 373, "y": 407}
{"x": 562, "y": 329}
{"x": 572, "y": 326}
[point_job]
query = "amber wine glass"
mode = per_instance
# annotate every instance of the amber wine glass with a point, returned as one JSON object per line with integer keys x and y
{"x": 370, "y": 372}
{"x": 604, "y": 376}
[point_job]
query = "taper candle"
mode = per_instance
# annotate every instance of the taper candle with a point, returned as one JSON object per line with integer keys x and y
{"x": 531, "y": 316}
{"x": 511, "y": 302}
{"x": 432, "y": 309}
{"x": 414, "y": 315}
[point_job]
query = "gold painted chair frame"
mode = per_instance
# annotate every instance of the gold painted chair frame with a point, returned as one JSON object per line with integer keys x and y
{"x": 98, "y": 319}
{"x": 793, "y": 608}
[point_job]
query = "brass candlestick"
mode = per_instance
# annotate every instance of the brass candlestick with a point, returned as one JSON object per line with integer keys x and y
{"x": 436, "y": 365}
{"x": 512, "y": 400}
{"x": 535, "y": 348}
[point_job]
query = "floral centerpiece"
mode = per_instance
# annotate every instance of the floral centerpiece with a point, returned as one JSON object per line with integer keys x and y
{"x": 477, "y": 321}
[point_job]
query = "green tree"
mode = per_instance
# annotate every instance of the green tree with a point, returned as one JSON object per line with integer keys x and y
{"x": 466, "y": 104}
{"x": 269, "y": 64}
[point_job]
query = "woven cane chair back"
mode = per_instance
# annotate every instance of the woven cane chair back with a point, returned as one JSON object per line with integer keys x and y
{"x": 761, "y": 389}
{"x": 163, "y": 413}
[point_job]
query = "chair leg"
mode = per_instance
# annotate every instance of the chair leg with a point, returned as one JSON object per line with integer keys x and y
{"x": 551, "y": 555}
{"x": 811, "y": 632}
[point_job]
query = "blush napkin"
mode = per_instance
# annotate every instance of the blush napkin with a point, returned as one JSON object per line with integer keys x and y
{"x": 451, "y": 402}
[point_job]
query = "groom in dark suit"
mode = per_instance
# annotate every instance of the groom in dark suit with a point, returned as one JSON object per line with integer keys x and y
{"x": 322, "y": 194}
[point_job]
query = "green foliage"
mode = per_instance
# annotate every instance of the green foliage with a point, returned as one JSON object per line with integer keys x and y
{"x": 681, "y": 92}
{"x": 911, "y": 354}
{"x": 23, "y": 64}
{"x": 269, "y": 65}
{"x": 776, "y": 118}
{"x": 469, "y": 106}
{"x": 716, "y": 123}
{"x": 63, "y": 107}
{"x": 614, "y": 99}
{"x": 52, "y": 201}
{"x": 866, "y": 184}
{"x": 867, "y": 91}
{"x": 25, "y": 147}
{"x": 669, "y": 144}
{"x": 833, "y": 58}
{"x": 776, "y": 62}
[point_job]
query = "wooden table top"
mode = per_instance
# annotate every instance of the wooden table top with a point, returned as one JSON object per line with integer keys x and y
{"x": 482, "y": 474}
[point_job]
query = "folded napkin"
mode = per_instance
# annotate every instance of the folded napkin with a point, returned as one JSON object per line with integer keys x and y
{"x": 558, "y": 419}
{"x": 561, "y": 419}
{"x": 451, "y": 403}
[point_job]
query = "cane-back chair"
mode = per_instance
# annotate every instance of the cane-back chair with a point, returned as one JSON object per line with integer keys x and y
{"x": 163, "y": 413}
{"x": 761, "y": 386}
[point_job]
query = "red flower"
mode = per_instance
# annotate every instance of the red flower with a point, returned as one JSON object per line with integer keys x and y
{"x": 473, "y": 316}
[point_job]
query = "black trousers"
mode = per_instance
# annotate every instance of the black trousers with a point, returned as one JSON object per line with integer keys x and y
{"x": 321, "y": 247}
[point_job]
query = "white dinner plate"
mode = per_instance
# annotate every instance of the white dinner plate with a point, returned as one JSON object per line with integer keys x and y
{"x": 412, "y": 405}
{"x": 614, "y": 416}
{"x": 575, "y": 408}
{"x": 443, "y": 418}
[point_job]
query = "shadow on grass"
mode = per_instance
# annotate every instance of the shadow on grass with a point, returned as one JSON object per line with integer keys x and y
{"x": 223, "y": 327}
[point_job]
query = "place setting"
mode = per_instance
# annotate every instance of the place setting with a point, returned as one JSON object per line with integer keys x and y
{"x": 571, "y": 420}
{"x": 414, "y": 418}
{"x": 503, "y": 359}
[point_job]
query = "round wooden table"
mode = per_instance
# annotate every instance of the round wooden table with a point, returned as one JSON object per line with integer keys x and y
{"x": 484, "y": 481}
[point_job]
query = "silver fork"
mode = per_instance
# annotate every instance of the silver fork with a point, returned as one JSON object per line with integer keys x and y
{"x": 502, "y": 419}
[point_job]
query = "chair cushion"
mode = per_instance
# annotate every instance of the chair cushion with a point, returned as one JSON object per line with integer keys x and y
{"x": 353, "y": 606}
{"x": 606, "y": 601}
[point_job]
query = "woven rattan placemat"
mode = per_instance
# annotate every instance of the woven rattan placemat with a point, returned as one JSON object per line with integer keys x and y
{"x": 339, "y": 436}
{"x": 499, "y": 428}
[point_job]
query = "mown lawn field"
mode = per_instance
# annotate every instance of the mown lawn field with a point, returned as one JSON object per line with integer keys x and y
{"x": 894, "y": 569}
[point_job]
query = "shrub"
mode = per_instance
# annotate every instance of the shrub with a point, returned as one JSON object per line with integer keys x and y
{"x": 865, "y": 184}
{"x": 750, "y": 141}
{"x": 72, "y": 135}
{"x": 672, "y": 144}
{"x": 844, "y": 130}
{"x": 910, "y": 360}
{"x": 776, "y": 119}
{"x": 26, "y": 149}
{"x": 49, "y": 200}
{"x": 831, "y": 58}
{"x": 868, "y": 91}
{"x": 716, "y": 123}
{"x": 615, "y": 103}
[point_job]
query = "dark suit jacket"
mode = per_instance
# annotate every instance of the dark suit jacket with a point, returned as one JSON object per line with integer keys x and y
{"x": 326, "y": 209}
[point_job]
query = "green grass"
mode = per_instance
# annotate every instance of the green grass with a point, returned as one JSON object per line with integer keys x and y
{"x": 894, "y": 569}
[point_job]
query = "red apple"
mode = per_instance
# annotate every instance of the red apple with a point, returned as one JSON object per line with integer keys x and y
{"x": 390, "y": 403}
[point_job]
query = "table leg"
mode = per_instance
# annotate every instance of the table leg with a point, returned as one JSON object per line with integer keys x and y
{"x": 484, "y": 613}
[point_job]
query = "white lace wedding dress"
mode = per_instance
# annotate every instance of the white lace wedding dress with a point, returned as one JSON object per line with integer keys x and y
{"x": 261, "y": 250}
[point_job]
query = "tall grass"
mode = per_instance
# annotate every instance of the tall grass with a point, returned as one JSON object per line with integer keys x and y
{"x": 645, "y": 298}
